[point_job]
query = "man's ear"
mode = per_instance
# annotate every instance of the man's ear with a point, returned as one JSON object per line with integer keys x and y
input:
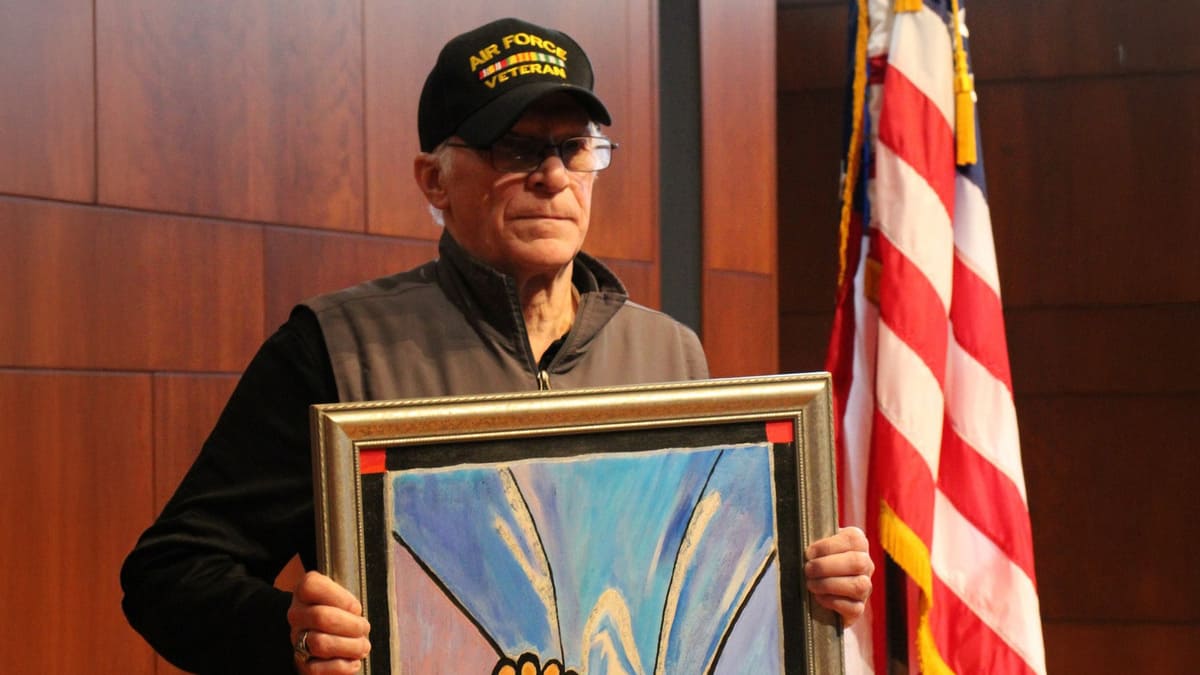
{"x": 427, "y": 169}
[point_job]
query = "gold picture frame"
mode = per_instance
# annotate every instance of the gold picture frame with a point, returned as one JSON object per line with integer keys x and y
{"x": 556, "y": 527}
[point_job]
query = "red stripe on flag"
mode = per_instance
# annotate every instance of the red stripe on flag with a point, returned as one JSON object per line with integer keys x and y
{"x": 978, "y": 322}
{"x": 876, "y": 68}
{"x": 987, "y": 498}
{"x": 906, "y": 482}
{"x": 372, "y": 461}
{"x": 966, "y": 643}
{"x": 783, "y": 431}
{"x": 839, "y": 360}
{"x": 912, "y": 308}
{"x": 914, "y": 128}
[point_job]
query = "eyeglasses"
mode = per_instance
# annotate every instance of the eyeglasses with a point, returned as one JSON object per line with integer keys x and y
{"x": 522, "y": 154}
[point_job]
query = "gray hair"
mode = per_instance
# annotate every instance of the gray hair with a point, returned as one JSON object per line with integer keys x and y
{"x": 442, "y": 158}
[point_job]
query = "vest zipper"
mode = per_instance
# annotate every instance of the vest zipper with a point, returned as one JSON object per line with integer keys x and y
{"x": 543, "y": 379}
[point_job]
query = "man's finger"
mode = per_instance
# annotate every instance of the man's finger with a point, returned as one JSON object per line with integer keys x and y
{"x": 847, "y": 539}
{"x": 317, "y": 589}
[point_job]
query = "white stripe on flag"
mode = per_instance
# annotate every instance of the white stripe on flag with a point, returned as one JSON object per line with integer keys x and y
{"x": 916, "y": 35}
{"x": 912, "y": 217}
{"x": 880, "y": 23}
{"x": 909, "y": 396}
{"x": 982, "y": 411}
{"x": 856, "y": 454}
{"x": 856, "y": 644}
{"x": 980, "y": 574}
{"x": 860, "y": 406}
{"x": 973, "y": 232}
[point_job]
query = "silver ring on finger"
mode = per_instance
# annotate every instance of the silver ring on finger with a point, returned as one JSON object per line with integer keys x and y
{"x": 301, "y": 646}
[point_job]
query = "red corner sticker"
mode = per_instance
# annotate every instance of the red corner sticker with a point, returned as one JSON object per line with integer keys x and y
{"x": 783, "y": 431}
{"x": 372, "y": 461}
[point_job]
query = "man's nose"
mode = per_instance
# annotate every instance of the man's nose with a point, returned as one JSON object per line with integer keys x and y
{"x": 551, "y": 174}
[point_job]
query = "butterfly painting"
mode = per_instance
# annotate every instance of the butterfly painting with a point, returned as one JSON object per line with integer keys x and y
{"x": 635, "y": 563}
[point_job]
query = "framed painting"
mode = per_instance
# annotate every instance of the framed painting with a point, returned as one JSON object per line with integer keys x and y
{"x": 649, "y": 529}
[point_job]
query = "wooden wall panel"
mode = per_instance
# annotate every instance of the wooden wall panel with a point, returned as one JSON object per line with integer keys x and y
{"x": 804, "y": 341}
{"x": 395, "y": 72}
{"x": 185, "y": 409}
{"x": 240, "y": 109}
{"x": 737, "y": 308}
{"x": 47, "y": 131}
{"x": 620, "y": 41}
{"x": 1125, "y": 349}
{"x": 85, "y": 287}
{"x": 302, "y": 264}
{"x": 1056, "y": 38}
{"x": 812, "y": 46}
{"x": 1090, "y": 176}
{"x": 75, "y": 488}
{"x": 1110, "y": 480}
{"x": 1121, "y": 649}
{"x": 738, "y": 136}
{"x": 808, "y": 199}
{"x": 739, "y": 311}
{"x": 812, "y": 67}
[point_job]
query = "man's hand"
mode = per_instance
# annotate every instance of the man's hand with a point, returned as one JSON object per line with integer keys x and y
{"x": 329, "y": 633}
{"x": 839, "y": 573}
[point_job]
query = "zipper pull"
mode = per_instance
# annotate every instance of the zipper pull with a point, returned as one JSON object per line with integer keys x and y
{"x": 543, "y": 379}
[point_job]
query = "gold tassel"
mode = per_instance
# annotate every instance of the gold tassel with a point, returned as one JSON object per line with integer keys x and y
{"x": 930, "y": 658}
{"x": 854, "y": 153}
{"x": 906, "y": 548}
{"x": 909, "y": 5}
{"x": 911, "y": 554}
{"x": 964, "y": 96}
{"x": 964, "y": 118}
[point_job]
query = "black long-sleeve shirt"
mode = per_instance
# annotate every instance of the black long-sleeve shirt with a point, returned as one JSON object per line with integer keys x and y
{"x": 197, "y": 583}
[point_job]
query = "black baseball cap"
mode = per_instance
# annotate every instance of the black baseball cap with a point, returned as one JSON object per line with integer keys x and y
{"x": 485, "y": 78}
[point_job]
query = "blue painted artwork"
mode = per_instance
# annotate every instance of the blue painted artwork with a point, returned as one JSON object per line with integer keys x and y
{"x": 660, "y": 562}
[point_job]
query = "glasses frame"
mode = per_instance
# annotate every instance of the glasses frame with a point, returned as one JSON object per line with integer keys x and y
{"x": 546, "y": 150}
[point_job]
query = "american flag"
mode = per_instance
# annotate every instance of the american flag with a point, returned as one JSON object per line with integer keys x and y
{"x": 929, "y": 457}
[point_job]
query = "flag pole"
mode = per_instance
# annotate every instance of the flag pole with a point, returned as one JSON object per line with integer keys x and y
{"x": 896, "y": 592}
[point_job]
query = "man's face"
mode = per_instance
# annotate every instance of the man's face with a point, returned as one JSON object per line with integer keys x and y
{"x": 523, "y": 224}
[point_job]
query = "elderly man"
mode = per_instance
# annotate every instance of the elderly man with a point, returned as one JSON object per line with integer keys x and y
{"x": 511, "y": 143}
